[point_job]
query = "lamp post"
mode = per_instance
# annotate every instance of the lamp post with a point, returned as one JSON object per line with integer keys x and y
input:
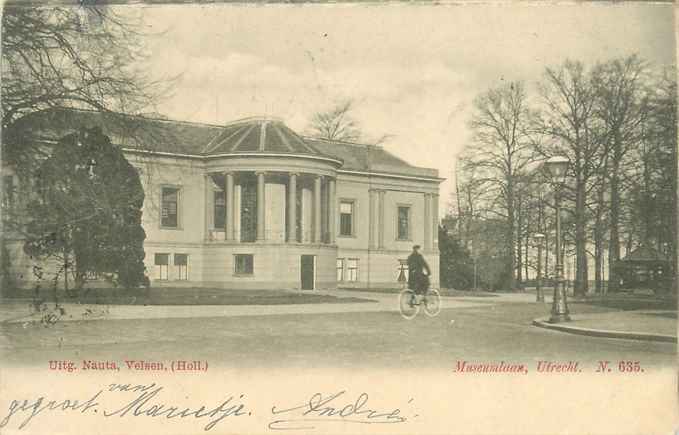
{"x": 540, "y": 296}
{"x": 556, "y": 169}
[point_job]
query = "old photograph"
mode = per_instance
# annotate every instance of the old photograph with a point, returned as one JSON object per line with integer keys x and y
{"x": 303, "y": 195}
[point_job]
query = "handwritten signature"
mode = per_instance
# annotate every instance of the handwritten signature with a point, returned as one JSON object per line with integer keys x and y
{"x": 332, "y": 408}
{"x": 145, "y": 404}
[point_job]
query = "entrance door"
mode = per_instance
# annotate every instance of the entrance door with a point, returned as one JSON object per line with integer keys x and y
{"x": 308, "y": 272}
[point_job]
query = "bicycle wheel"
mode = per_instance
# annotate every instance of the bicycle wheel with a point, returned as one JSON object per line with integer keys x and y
{"x": 432, "y": 303}
{"x": 406, "y": 306}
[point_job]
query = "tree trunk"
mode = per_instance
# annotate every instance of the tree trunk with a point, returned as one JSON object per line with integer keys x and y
{"x": 547, "y": 271}
{"x": 79, "y": 273}
{"x": 598, "y": 261}
{"x": 511, "y": 254}
{"x": 581, "y": 284}
{"x": 469, "y": 219}
{"x": 460, "y": 213}
{"x": 519, "y": 238}
{"x": 614, "y": 234}
{"x": 599, "y": 242}
{"x": 525, "y": 263}
{"x": 66, "y": 258}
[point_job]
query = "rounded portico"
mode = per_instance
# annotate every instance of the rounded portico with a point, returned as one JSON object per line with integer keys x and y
{"x": 270, "y": 199}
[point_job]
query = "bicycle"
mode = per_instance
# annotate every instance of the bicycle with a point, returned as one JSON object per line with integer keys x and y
{"x": 410, "y": 303}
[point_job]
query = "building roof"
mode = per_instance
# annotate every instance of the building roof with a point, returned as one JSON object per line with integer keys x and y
{"x": 645, "y": 254}
{"x": 251, "y": 135}
{"x": 254, "y": 135}
{"x": 135, "y": 132}
{"x": 369, "y": 158}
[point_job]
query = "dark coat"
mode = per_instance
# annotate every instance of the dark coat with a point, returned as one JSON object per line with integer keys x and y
{"x": 417, "y": 280}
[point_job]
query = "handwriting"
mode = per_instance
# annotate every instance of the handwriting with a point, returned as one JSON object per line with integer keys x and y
{"x": 144, "y": 400}
{"x": 144, "y": 404}
{"x": 140, "y": 406}
{"x": 331, "y": 409}
{"x": 39, "y": 405}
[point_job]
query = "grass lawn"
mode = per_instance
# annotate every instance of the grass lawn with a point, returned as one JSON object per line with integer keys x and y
{"x": 193, "y": 296}
{"x": 628, "y": 302}
{"x": 444, "y": 292}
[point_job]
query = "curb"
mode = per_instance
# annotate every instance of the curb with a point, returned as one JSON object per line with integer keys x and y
{"x": 544, "y": 323}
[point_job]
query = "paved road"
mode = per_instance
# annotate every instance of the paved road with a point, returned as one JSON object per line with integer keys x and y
{"x": 374, "y": 302}
{"x": 480, "y": 331}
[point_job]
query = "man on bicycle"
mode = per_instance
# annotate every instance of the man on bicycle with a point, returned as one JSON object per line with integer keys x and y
{"x": 418, "y": 281}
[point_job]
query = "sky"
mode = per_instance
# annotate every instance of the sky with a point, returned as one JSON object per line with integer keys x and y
{"x": 411, "y": 70}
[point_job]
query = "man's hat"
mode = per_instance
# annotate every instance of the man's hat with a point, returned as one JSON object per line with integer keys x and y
{"x": 416, "y": 247}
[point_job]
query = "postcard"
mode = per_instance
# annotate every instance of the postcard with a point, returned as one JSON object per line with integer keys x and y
{"x": 338, "y": 218}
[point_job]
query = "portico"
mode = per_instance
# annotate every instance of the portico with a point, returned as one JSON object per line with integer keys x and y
{"x": 271, "y": 206}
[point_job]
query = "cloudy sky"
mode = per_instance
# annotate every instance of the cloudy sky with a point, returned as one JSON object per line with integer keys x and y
{"x": 411, "y": 70}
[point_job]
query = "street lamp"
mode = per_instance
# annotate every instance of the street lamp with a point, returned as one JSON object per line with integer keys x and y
{"x": 556, "y": 168}
{"x": 540, "y": 296}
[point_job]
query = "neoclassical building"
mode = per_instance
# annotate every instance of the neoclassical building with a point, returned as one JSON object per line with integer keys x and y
{"x": 253, "y": 205}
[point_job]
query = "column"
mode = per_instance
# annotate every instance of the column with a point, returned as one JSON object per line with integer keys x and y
{"x": 435, "y": 221}
{"x": 237, "y": 189}
{"x": 380, "y": 219}
{"x": 427, "y": 222}
{"x": 317, "y": 209}
{"x": 332, "y": 211}
{"x": 228, "y": 197}
{"x": 208, "y": 205}
{"x": 260, "y": 205}
{"x": 372, "y": 236}
{"x": 292, "y": 207}
{"x": 324, "y": 211}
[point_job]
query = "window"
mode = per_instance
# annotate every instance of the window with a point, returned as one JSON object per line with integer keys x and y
{"x": 220, "y": 209}
{"x": 181, "y": 262}
{"x": 243, "y": 264}
{"x": 169, "y": 207}
{"x": 92, "y": 275}
{"x": 8, "y": 191}
{"x": 403, "y": 223}
{"x": 161, "y": 261}
{"x": 352, "y": 269}
{"x": 248, "y": 212}
{"x": 340, "y": 269}
{"x": 346, "y": 218}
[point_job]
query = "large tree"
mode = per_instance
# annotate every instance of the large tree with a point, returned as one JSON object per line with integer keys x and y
{"x": 86, "y": 213}
{"x": 569, "y": 120}
{"x": 502, "y": 150}
{"x": 652, "y": 178}
{"x": 83, "y": 56}
{"x": 622, "y": 106}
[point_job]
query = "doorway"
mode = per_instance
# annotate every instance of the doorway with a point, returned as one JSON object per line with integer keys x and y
{"x": 308, "y": 272}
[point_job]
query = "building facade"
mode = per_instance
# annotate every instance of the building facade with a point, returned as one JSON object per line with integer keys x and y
{"x": 253, "y": 205}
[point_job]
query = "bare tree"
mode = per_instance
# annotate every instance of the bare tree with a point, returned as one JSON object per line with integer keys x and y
{"x": 622, "y": 106}
{"x": 67, "y": 57}
{"x": 502, "y": 150}
{"x": 60, "y": 65}
{"x": 336, "y": 124}
{"x": 568, "y": 118}
{"x": 650, "y": 176}
{"x": 470, "y": 199}
{"x": 600, "y": 212}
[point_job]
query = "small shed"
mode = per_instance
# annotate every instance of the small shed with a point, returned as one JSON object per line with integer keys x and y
{"x": 644, "y": 267}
